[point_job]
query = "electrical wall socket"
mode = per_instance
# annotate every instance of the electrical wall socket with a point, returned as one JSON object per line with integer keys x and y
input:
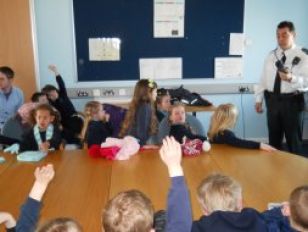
{"x": 96, "y": 93}
{"x": 122, "y": 92}
{"x": 243, "y": 89}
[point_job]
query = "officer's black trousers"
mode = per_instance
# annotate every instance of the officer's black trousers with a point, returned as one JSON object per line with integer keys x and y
{"x": 284, "y": 118}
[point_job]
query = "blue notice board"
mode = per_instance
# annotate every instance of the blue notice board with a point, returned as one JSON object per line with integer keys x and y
{"x": 208, "y": 24}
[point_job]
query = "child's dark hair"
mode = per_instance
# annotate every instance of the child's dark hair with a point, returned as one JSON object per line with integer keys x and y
{"x": 48, "y": 88}
{"x": 7, "y": 71}
{"x": 36, "y": 96}
{"x": 53, "y": 112}
{"x": 160, "y": 94}
{"x": 60, "y": 225}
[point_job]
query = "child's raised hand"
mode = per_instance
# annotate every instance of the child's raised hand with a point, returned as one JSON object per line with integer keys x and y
{"x": 8, "y": 220}
{"x": 43, "y": 176}
{"x": 171, "y": 155}
{"x": 53, "y": 68}
{"x": 266, "y": 147}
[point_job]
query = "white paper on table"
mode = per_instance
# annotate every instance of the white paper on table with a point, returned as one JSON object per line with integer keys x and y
{"x": 160, "y": 68}
{"x": 228, "y": 67}
{"x": 104, "y": 49}
{"x": 169, "y": 18}
{"x": 237, "y": 44}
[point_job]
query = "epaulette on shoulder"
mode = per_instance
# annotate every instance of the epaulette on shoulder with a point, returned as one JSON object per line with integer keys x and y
{"x": 274, "y": 50}
{"x": 305, "y": 50}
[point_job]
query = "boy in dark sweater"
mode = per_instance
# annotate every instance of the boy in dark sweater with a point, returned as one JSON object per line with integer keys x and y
{"x": 58, "y": 98}
{"x": 221, "y": 201}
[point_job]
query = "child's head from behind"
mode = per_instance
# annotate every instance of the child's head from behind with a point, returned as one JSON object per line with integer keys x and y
{"x": 44, "y": 115}
{"x": 219, "y": 192}
{"x": 128, "y": 211}
{"x": 94, "y": 110}
{"x": 39, "y": 97}
{"x": 177, "y": 114}
{"x": 60, "y": 225}
{"x": 51, "y": 92}
{"x": 223, "y": 118}
{"x": 145, "y": 91}
{"x": 299, "y": 208}
{"x": 163, "y": 100}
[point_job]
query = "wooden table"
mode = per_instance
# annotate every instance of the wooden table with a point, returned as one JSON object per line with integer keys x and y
{"x": 83, "y": 185}
{"x": 80, "y": 188}
{"x": 9, "y": 159}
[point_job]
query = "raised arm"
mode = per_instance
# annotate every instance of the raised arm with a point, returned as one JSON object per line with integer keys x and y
{"x": 61, "y": 84}
{"x": 179, "y": 217}
{"x": 30, "y": 210}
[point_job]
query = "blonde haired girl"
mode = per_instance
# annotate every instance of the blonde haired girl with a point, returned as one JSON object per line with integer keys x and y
{"x": 220, "y": 131}
{"x": 96, "y": 126}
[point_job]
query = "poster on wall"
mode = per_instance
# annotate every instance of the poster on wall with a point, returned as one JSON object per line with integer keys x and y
{"x": 104, "y": 49}
{"x": 228, "y": 67}
{"x": 169, "y": 18}
{"x": 237, "y": 44}
{"x": 160, "y": 68}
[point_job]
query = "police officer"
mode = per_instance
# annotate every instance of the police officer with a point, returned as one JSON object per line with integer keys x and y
{"x": 283, "y": 80}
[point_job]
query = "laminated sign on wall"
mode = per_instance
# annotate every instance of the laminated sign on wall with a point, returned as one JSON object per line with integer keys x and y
{"x": 104, "y": 49}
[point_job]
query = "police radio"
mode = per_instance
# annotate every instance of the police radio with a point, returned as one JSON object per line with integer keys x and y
{"x": 281, "y": 68}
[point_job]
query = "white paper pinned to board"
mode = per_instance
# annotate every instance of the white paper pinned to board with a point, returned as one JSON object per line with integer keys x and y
{"x": 160, "y": 68}
{"x": 104, "y": 49}
{"x": 237, "y": 44}
{"x": 228, "y": 67}
{"x": 169, "y": 18}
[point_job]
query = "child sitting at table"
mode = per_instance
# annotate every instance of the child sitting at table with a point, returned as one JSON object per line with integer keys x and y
{"x": 45, "y": 134}
{"x": 292, "y": 215}
{"x": 140, "y": 120}
{"x": 39, "y": 97}
{"x": 299, "y": 208}
{"x": 128, "y": 211}
{"x": 96, "y": 126}
{"x": 18, "y": 125}
{"x": 71, "y": 121}
{"x": 178, "y": 128}
{"x": 220, "y": 197}
{"x": 220, "y": 130}
{"x": 162, "y": 104}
